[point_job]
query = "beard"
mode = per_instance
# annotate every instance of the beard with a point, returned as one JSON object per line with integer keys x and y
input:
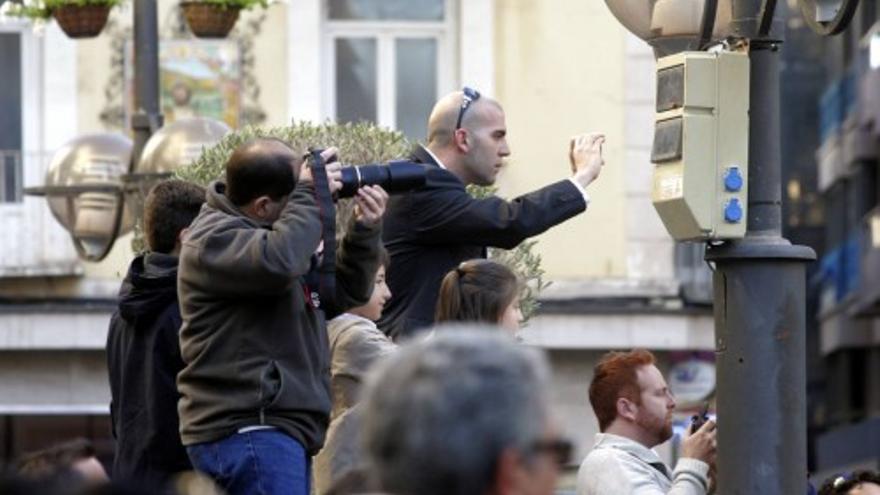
{"x": 659, "y": 428}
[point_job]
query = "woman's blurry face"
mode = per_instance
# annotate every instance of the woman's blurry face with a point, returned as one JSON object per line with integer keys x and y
{"x": 511, "y": 317}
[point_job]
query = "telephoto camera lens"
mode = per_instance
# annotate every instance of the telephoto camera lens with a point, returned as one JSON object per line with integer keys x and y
{"x": 396, "y": 177}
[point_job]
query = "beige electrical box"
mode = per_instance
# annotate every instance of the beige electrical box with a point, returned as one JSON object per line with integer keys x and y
{"x": 701, "y": 145}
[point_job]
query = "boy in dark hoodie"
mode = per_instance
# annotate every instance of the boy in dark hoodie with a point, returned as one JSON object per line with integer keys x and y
{"x": 143, "y": 349}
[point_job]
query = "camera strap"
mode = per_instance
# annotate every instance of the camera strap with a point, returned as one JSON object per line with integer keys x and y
{"x": 327, "y": 213}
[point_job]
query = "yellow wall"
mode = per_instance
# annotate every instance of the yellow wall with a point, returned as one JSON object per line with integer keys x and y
{"x": 270, "y": 66}
{"x": 93, "y": 73}
{"x": 559, "y": 72}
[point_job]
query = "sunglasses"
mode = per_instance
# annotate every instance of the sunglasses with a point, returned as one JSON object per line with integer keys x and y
{"x": 559, "y": 448}
{"x": 469, "y": 96}
{"x": 842, "y": 478}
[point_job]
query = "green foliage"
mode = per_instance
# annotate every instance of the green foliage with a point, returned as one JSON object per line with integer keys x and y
{"x": 42, "y": 9}
{"x": 237, "y": 4}
{"x": 53, "y": 4}
{"x": 358, "y": 144}
{"x": 35, "y": 10}
{"x": 523, "y": 260}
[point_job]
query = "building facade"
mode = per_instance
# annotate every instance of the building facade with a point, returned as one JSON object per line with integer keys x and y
{"x": 558, "y": 67}
{"x": 845, "y": 357}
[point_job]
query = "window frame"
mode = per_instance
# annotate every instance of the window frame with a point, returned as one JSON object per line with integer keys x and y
{"x": 386, "y": 33}
{"x": 50, "y": 114}
{"x": 31, "y": 106}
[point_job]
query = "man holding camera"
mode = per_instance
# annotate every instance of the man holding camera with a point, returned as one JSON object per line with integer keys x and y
{"x": 255, "y": 395}
{"x": 634, "y": 407}
{"x": 431, "y": 230}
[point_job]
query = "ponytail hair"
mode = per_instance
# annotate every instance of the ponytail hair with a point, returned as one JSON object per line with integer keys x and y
{"x": 476, "y": 291}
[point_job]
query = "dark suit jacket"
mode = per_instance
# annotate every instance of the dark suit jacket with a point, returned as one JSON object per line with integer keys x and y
{"x": 431, "y": 230}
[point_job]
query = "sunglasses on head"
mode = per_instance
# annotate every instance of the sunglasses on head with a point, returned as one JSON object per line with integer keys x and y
{"x": 469, "y": 95}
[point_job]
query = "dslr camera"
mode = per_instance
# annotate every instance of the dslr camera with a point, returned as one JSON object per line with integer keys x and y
{"x": 393, "y": 177}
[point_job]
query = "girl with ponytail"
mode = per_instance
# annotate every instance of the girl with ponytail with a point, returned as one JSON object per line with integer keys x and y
{"x": 480, "y": 291}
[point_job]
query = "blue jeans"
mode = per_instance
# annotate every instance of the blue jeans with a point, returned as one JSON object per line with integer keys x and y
{"x": 262, "y": 462}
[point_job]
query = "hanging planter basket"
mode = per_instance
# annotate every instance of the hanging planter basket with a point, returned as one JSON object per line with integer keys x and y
{"x": 81, "y": 21}
{"x": 207, "y": 20}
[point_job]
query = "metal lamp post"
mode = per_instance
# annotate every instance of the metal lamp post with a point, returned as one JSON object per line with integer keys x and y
{"x": 92, "y": 192}
{"x": 147, "y": 117}
{"x": 97, "y": 184}
{"x": 759, "y": 279}
{"x": 85, "y": 194}
{"x": 760, "y": 302}
{"x": 104, "y": 189}
{"x": 174, "y": 145}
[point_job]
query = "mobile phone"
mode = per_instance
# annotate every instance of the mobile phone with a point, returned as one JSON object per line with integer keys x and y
{"x": 698, "y": 420}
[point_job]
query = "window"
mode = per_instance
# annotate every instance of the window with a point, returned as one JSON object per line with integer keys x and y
{"x": 391, "y": 60}
{"x": 386, "y": 10}
{"x": 10, "y": 118}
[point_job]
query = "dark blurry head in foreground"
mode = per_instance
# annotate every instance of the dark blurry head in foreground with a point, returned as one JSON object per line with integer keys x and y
{"x": 857, "y": 483}
{"x": 66, "y": 465}
{"x": 462, "y": 413}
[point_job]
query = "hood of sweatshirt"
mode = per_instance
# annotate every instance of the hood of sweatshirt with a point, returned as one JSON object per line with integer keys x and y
{"x": 151, "y": 284}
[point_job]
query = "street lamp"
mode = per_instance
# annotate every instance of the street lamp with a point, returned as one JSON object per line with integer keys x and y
{"x": 92, "y": 194}
{"x": 672, "y": 26}
{"x": 92, "y": 206}
{"x": 828, "y": 17}
{"x": 759, "y": 277}
{"x": 96, "y": 184}
{"x": 173, "y": 146}
{"x": 85, "y": 193}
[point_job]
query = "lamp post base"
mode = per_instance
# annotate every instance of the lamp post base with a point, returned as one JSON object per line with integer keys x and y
{"x": 760, "y": 343}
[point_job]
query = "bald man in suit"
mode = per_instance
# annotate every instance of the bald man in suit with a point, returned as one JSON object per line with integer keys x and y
{"x": 430, "y": 230}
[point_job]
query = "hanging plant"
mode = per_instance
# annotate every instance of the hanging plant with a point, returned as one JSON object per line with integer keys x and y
{"x": 77, "y": 18}
{"x": 81, "y": 18}
{"x": 215, "y": 18}
{"x": 34, "y": 10}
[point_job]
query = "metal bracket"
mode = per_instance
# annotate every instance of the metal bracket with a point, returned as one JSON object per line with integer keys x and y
{"x": 147, "y": 121}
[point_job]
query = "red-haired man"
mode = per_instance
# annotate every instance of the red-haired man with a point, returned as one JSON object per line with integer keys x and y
{"x": 634, "y": 409}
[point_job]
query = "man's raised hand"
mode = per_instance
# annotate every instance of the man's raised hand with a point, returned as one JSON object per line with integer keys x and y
{"x": 585, "y": 155}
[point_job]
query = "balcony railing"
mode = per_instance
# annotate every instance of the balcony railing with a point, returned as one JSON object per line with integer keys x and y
{"x": 11, "y": 177}
{"x": 33, "y": 243}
